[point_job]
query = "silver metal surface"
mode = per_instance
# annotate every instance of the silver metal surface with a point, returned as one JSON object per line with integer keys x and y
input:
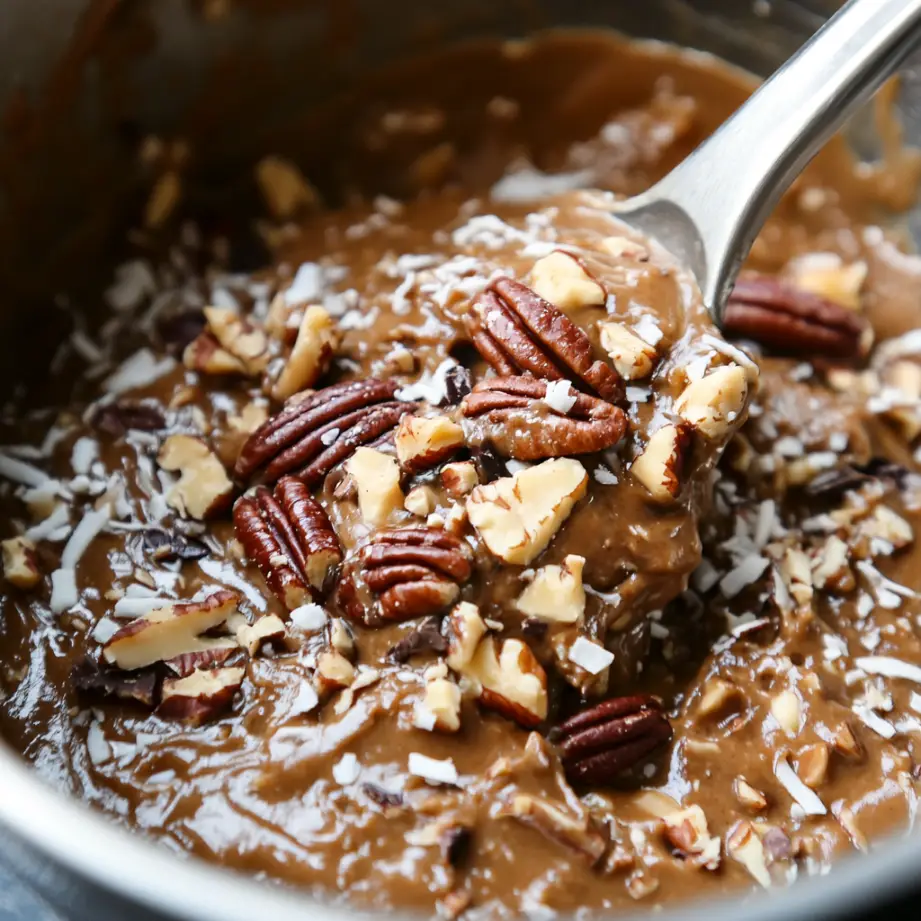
{"x": 709, "y": 209}
{"x": 86, "y": 865}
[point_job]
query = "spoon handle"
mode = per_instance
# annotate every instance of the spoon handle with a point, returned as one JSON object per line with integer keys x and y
{"x": 729, "y": 185}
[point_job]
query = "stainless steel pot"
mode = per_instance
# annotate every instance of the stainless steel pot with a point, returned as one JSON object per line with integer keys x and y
{"x": 75, "y": 75}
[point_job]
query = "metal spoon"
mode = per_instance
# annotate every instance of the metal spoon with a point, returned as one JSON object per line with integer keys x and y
{"x": 709, "y": 209}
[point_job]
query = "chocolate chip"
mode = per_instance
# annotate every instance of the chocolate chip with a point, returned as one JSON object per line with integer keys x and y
{"x": 90, "y": 678}
{"x": 833, "y": 483}
{"x": 777, "y": 845}
{"x": 167, "y": 548}
{"x": 179, "y": 329}
{"x": 488, "y": 464}
{"x": 534, "y": 628}
{"x": 117, "y": 418}
{"x": 381, "y": 796}
{"x": 455, "y": 845}
{"x": 457, "y": 385}
{"x": 425, "y": 638}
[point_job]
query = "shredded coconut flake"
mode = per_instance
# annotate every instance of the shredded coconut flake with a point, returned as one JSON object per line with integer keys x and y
{"x": 889, "y": 668}
{"x": 89, "y": 526}
{"x": 560, "y": 396}
{"x": 347, "y": 770}
{"x": 64, "y": 594}
{"x": 647, "y": 329}
{"x": 431, "y": 386}
{"x": 530, "y": 184}
{"x": 97, "y": 746}
{"x": 308, "y": 285}
{"x": 637, "y": 394}
{"x": 44, "y": 529}
{"x": 21, "y": 472}
{"x": 604, "y": 476}
{"x": 309, "y": 618}
{"x": 593, "y": 657}
{"x": 141, "y": 369}
{"x": 875, "y": 722}
{"x": 104, "y": 630}
{"x": 806, "y": 798}
{"x": 431, "y": 769}
{"x": 135, "y": 607}
{"x": 748, "y": 570}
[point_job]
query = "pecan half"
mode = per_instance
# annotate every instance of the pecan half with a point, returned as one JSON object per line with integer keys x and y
{"x": 289, "y": 536}
{"x": 518, "y": 332}
{"x": 513, "y": 420}
{"x": 786, "y": 318}
{"x": 415, "y": 572}
{"x": 310, "y": 437}
{"x": 598, "y": 744}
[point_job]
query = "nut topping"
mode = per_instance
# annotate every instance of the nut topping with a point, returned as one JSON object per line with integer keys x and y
{"x": 553, "y": 822}
{"x": 425, "y": 441}
{"x": 311, "y": 436}
{"x": 561, "y": 279}
{"x": 556, "y": 593}
{"x": 518, "y": 332}
{"x": 414, "y": 571}
{"x": 289, "y": 536}
{"x": 511, "y": 415}
{"x": 200, "y": 697}
{"x": 204, "y": 489}
{"x": 377, "y": 478}
{"x": 518, "y": 516}
{"x": 316, "y": 341}
{"x": 511, "y": 681}
{"x": 228, "y": 345}
{"x": 789, "y": 319}
{"x": 168, "y": 632}
{"x": 603, "y": 742}
{"x": 659, "y": 466}
{"x": 19, "y": 565}
{"x": 632, "y": 357}
{"x": 713, "y": 404}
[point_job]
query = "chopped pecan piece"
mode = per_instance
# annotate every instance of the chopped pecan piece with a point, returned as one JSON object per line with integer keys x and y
{"x": 517, "y": 331}
{"x": 414, "y": 571}
{"x": 552, "y": 821}
{"x": 289, "y": 536}
{"x": 789, "y": 319}
{"x": 201, "y": 696}
{"x": 600, "y": 743}
{"x": 513, "y": 417}
{"x": 311, "y": 436}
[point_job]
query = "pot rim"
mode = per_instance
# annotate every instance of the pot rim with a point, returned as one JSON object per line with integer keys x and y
{"x": 96, "y": 849}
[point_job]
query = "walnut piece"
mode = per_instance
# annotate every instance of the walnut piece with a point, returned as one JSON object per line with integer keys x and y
{"x": 334, "y": 672}
{"x": 553, "y": 822}
{"x": 377, "y": 478}
{"x": 317, "y": 340}
{"x": 511, "y": 682}
{"x": 19, "y": 565}
{"x": 687, "y": 831}
{"x": 660, "y": 465}
{"x": 744, "y": 845}
{"x": 425, "y": 441}
{"x": 560, "y": 279}
{"x": 459, "y": 478}
{"x": 518, "y": 516}
{"x": 556, "y": 592}
{"x": 267, "y": 629}
{"x": 465, "y": 629}
{"x": 713, "y": 404}
{"x": 632, "y": 357}
{"x": 203, "y": 489}
{"x": 440, "y": 708}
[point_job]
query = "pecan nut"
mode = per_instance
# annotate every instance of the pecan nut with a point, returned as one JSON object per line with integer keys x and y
{"x": 310, "y": 437}
{"x": 598, "y": 744}
{"x": 289, "y": 536}
{"x": 786, "y": 318}
{"x": 512, "y": 418}
{"x": 414, "y": 572}
{"x": 518, "y": 332}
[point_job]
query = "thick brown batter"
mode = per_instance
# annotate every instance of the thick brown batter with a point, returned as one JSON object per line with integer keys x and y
{"x": 328, "y": 720}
